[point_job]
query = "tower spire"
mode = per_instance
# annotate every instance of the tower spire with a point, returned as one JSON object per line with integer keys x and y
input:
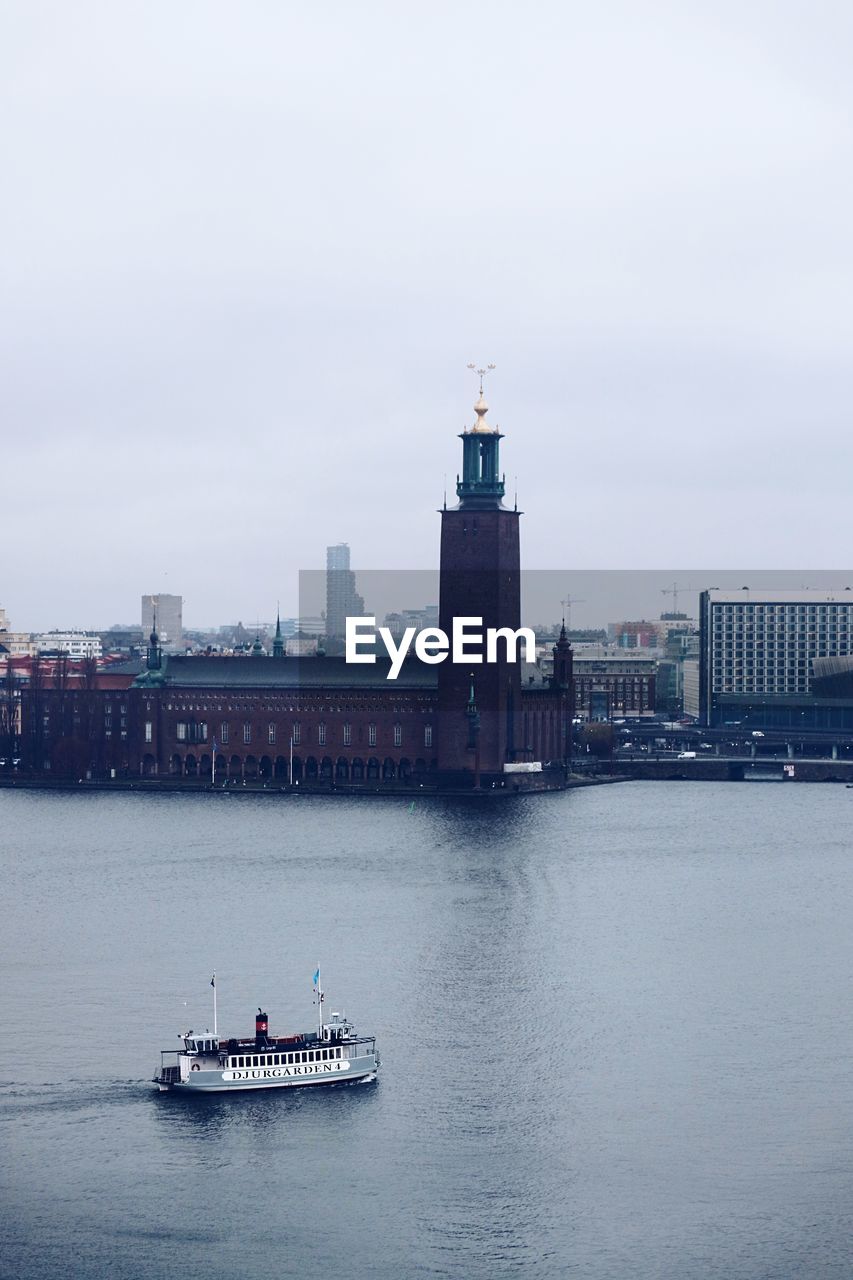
{"x": 153, "y": 655}
{"x": 278, "y": 642}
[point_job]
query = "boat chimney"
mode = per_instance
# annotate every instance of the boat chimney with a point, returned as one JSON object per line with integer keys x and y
{"x": 261, "y": 1025}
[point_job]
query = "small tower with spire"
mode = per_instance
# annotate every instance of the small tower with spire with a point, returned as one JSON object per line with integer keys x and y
{"x": 563, "y": 683}
{"x": 563, "y": 657}
{"x": 153, "y": 654}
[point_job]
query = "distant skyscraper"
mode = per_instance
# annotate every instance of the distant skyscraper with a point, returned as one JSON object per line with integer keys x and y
{"x": 166, "y": 614}
{"x": 342, "y": 600}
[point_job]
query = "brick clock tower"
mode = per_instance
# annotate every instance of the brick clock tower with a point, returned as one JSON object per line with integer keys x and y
{"x": 479, "y": 704}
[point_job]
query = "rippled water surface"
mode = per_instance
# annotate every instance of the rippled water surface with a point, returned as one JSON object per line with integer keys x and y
{"x": 616, "y": 1029}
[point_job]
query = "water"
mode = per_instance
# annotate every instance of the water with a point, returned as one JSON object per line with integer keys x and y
{"x": 615, "y": 1027}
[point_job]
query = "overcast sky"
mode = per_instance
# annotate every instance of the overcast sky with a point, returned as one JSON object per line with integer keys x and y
{"x": 248, "y": 249}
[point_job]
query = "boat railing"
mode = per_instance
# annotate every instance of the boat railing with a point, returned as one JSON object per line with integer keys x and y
{"x": 249, "y": 1046}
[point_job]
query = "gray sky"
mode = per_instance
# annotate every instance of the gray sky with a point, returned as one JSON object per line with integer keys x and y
{"x": 247, "y": 250}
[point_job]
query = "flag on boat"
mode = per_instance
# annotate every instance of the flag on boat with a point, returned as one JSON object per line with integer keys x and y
{"x": 213, "y": 981}
{"x": 215, "y": 747}
{"x": 316, "y": 976}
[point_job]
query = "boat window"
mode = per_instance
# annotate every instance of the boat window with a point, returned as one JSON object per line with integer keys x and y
{"x": 303, "y": 1057}
{"x": 255, "y": 1060}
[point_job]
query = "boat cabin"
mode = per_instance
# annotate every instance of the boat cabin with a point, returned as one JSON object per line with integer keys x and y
{"x": 200, "y": 1044}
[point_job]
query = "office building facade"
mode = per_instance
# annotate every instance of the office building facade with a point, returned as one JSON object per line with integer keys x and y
{"x": 761, "y": 645}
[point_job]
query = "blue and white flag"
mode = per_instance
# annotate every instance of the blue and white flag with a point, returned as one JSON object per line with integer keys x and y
{"x": 316, "y": 976}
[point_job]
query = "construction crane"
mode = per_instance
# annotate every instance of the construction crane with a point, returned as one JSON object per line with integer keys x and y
{"x": 567, "y": 609}
{"x": 673, "y": 591}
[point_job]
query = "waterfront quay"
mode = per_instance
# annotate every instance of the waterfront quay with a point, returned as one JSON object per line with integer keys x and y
{"x": 712, "y": 768}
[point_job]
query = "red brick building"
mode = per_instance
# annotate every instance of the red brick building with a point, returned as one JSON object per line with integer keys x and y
{"x": 320, "y": 720}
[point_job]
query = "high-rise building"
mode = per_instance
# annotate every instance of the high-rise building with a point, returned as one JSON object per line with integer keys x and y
{"x": 342, "y": 599}
{"x": 164, "y": 614}
{"x": 760, "y": 646}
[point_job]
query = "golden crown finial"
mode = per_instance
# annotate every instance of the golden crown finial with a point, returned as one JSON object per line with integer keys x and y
{"x": 482, "y": 373}
{"x": 481, "y": 408}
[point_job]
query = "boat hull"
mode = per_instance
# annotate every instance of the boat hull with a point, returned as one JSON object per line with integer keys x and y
{"x": 247, "y": 1086}
{"x": 216, "y": 1080}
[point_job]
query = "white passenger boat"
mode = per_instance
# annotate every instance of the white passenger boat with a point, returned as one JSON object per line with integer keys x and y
{"x": 332, "y": 1054}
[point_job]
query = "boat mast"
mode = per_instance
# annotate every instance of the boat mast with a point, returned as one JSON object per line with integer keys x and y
{"x": 213, "y": 984}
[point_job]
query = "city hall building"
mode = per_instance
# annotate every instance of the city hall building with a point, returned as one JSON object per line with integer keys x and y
{"x": 318, "y": 719}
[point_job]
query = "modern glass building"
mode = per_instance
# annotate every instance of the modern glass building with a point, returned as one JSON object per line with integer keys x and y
{"x": 757, "y": 645}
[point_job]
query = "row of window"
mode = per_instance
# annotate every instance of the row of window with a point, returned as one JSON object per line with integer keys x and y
{"x": 285, "y": 1059}
{"x": 781, "y": 610}
{"x": 196, "y": 731}
{"x": 400, "y": 707}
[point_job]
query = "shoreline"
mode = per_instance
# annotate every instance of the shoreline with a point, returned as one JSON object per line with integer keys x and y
{"x": 162, "y": 786}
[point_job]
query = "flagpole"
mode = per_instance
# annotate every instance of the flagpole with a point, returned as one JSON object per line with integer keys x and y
{"x": 213, "y": 984}
{"x": 291, "y": 760}
{"x": 319, "y": 989}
